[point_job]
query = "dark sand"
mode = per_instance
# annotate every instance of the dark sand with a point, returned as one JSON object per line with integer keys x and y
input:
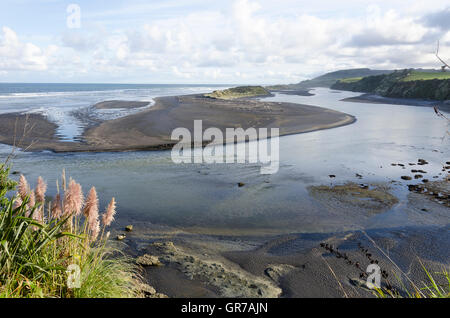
{"x": 376, "y": 99}
{"x": 299, "y": 92}
{"x": 291, "y": 265}
{"x": 114, "y": 104}
{"x": 256, "y": 263}
{"x": 151, "y": 129}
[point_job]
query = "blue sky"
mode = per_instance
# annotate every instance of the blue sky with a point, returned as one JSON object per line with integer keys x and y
{"x": 198, "y": 41}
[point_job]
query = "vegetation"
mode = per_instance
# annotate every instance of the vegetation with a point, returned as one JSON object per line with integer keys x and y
{"x": 46, "y": 249}
{"x": 429, "y": 289}
{"x": 239, "y": 92}
{"x": 401, "y": 84}
{"x": 425, "y": 76}
{"x": 351, "y": 79}
{"x": 328, "y": 79}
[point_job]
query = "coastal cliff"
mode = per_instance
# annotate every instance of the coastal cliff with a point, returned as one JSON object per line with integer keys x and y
{"x": 401, "y": 84}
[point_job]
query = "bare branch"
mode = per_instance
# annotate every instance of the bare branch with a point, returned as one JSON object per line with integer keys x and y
{"x": 443, "y": 67}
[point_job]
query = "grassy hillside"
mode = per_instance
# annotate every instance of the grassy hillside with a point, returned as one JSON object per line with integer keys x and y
{"x": 239, "y": 92}
{"x": 401, "y": 84}
{"x": 425, "y": 76}
{"x": 328, "y": 79}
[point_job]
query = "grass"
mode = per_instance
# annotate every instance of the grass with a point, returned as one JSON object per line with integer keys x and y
{"x": 429, "y": 289}
{"x": 350, "y": 80}
{"x": 239, "y": 92}
{"x": 424, "y": 76}
{"x": 37, "y": 245}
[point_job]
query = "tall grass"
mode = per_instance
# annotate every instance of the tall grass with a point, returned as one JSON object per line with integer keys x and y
{"x": 40, "y": 240}
{"x": 428, "y": 289}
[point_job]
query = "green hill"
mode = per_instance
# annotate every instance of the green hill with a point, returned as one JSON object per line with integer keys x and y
{"x": 328, "y": 79}
{"x": 401, "y": 84}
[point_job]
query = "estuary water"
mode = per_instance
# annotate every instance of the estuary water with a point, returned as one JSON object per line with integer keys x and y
{"x": 149, "y": 187}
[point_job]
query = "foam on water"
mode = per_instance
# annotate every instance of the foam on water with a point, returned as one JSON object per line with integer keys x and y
{"x": 60, "y": 103}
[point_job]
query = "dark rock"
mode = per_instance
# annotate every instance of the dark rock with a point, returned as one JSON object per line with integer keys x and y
{"x": 241, "y": 184}
{"x": 148, "y": 260}
{"x": 406, "y": 178}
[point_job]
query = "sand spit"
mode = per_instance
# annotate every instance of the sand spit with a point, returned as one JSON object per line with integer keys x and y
{"x": 151, "y": 128}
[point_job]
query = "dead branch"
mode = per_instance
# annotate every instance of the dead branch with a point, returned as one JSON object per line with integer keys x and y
{"x": 443, "y": 67}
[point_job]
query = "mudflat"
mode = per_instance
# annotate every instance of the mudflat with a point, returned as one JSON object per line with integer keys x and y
{"x": 114, "y": 104}
{"x": 151, "y": 128}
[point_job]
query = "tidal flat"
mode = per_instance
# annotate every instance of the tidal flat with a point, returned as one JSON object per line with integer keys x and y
{"x": 274, "y": 236}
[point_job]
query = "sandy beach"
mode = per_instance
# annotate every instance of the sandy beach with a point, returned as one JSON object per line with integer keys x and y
{"x": 151, "y": 128}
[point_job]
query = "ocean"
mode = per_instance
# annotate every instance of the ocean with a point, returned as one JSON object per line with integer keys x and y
{"x": 58, "y": 102}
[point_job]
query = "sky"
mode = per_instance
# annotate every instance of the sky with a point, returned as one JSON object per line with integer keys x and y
{"x": 223, "y": 42}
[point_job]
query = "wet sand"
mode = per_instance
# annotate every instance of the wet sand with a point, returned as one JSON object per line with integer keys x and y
{"x": 376, "y": 99}
{"x": 151, "y": 129}
{"x": 299, "y": 92}
{"x": 291, "y": 265}
{"x": 256, "y": 263}
{"x": 114, "y": 104}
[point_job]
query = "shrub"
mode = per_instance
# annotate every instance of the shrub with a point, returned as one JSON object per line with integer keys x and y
{"x": 39, "y": 240}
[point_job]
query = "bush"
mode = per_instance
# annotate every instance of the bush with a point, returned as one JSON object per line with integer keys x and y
{"x": 39, "y": 241}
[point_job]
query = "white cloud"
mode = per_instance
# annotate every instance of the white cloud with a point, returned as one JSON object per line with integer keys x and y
{"x": 243, "y": 41}
{"x": 16, "y": 55}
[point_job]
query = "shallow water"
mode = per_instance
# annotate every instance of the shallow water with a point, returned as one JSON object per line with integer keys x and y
{"x": 149, "y": 187}
{"x": 58, "y": 102}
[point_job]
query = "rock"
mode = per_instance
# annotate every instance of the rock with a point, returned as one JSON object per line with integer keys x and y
{"x": 393, "y": 164}
{"x": 425, "y": 180}
{"x": 418, "y": 176}
{"x": 121, "y": 237}
{"x": 159, "y": 295}
{"x": 332, "y": 176}
{"x": 359, "y": 176}
{"x": 414, "y": 171}
{"x": 406, "y": 177}
{"x": 147, "y": 290}
{"x": 15, "y": 172}
{"x": 400, "y": 164}
{"x": 129, "y": 228}
{"x": 241, "y": 184}
{"x": 148, "y": 260}
{"x": 276, "y": 271}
